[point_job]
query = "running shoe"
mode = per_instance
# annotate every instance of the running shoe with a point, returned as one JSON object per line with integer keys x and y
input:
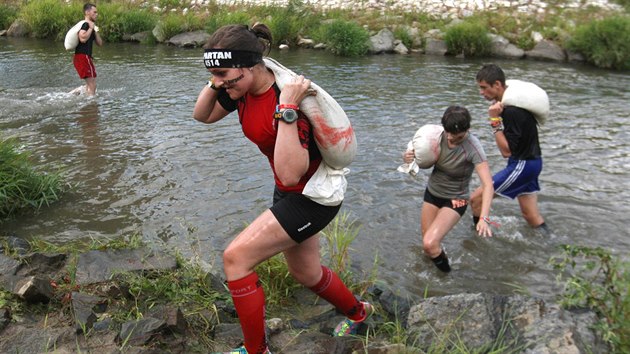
{"x": 349, "y": 327}
{"x": 242, "y": 350}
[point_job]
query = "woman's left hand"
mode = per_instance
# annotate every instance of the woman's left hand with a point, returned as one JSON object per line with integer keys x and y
{"x": 295, "y": 91}
{"x": 483, "y": 229}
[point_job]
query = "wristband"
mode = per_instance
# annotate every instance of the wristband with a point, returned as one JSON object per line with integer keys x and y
{"x": 287, "y": 106}
{"x": 486, "y": 219}
{"x": 495, "y": 121}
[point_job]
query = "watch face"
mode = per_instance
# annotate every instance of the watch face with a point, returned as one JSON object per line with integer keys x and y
{"x": 289, "y": 115}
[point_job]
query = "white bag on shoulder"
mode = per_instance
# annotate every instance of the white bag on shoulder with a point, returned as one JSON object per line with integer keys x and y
{"x": 72, "y": 36}
{"x": 327, "y": 186}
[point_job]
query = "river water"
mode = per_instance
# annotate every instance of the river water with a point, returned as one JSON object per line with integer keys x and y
{"x": 140, "y": 164}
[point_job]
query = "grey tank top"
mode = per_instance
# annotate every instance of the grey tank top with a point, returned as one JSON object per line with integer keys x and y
{"x": 450, "y": 178}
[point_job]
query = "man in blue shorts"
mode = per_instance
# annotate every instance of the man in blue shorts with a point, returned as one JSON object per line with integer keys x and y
{"x": 516, "y": 134}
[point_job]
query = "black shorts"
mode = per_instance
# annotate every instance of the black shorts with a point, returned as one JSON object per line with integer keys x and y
{"x": 299, "y": 216}
{"x": 442, "y": 203}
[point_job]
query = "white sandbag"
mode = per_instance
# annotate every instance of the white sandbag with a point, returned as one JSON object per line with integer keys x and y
{"x": 412, "y": 167}
{"x": 333, "y": 132}
{"x": 72, "y": 37}
{"x": 529, "y": 96}
{"x": 327, "y": 186}
{"x": 426, "y": 145}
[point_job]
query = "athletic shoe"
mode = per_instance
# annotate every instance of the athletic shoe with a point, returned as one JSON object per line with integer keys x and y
{"x": 349, "y": 327}
{"x": 242, "y": 350}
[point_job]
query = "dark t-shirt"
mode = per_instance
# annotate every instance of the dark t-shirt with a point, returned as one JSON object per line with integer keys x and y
{"x": 85, "y": 48}
{"x": 521, "y": 132}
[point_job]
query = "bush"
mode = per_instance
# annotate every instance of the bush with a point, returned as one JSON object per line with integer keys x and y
{"x": 602, "y": 283}
{"x": 8, "y": 14}
{"x": 221, "y": 19}
{"x": 344, "y": 38}
{"x": 116, "y": 20}
{"x": 402, "y": 33}
{"x": 468, "y": 38}
{"x": 173, "y": 24}
{"x": 604, "y": 43}
{"x": 21, "y": 186}
{"x": 50, "y": 18}
{"x": 284, "y": 26}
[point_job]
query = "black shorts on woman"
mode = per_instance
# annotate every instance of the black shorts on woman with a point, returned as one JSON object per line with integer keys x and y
{"x": 299, "y": 216}
{"x": 443, "y": 203}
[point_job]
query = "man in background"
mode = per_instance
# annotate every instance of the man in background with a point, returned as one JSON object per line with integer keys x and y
{"x": 83, "y": 62}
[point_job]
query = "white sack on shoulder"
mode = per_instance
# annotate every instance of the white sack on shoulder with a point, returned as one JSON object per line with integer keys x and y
{"x": 529, "y": 96}
{"x": 72, "y": 36}
{"x": 410, "y": 168}
{"x": 327, "y": 186}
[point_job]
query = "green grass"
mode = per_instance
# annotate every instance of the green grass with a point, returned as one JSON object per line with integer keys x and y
{"x": 50, "y": 18}
{"x": 595, "y": 279}
{"x": 280, "y": 286}
{"x": 344, "y": 32}
{"x": 22, "y": 186}
{"x": 8, "y": 13}
{"x": 345, "y": 38}
{"x": 468, "y": 38}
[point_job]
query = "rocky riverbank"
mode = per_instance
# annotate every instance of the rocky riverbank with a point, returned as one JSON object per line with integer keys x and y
{"x": 46, "y": 317}
{"x": 437, "y": 8}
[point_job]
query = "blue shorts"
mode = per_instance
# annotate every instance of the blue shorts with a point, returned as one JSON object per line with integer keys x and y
{"x": 518, "y": 177}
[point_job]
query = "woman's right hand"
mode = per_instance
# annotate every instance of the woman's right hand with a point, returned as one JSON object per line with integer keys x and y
{"x": 408, "y": 156}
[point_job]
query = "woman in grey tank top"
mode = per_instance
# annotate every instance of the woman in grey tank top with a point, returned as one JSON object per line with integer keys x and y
{"x": 447, "y": 193}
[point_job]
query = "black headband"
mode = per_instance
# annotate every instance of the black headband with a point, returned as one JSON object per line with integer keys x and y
{"x": 225, "y": 58}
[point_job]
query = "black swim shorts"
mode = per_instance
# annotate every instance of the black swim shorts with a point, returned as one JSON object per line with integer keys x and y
{"x": 443, "y": 203}
{"x": 299, "y": 216}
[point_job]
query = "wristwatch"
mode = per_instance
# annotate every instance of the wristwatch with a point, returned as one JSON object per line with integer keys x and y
{"x": 289, "y": 115}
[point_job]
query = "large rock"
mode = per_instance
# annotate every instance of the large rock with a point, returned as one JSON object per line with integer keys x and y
{"x": 99, "y": 266}
{"x": 502, "y": 48}
{"x": 547, "y": 50}
{"x": 435, "y": 47}
{"x": 189, "y": 39}
{"x": 476, "y": 320}
{"x": 19, "y": 28}
{"x": 382, "y": 42}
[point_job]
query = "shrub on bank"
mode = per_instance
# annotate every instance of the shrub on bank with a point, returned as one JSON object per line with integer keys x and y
{"x": 344, "y": 38}
{"x": 604, "y": 43}
{"x": 50, "y": 18}
{"x": 21, "y": 186}
{"x": 8, "y": 14}
{"x": 468, "y": 38}
{"x": 116, "y": 20}
{"x": 597, "y": 280}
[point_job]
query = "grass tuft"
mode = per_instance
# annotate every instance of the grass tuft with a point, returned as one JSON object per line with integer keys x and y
{"x": 22, "y": 187}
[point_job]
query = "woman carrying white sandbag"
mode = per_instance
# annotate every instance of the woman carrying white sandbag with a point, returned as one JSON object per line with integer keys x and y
{"x": 305, "y": 136}
{"x": 447, "y": 193}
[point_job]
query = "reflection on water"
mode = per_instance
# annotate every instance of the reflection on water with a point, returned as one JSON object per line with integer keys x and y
{"x": 139, "y": 163}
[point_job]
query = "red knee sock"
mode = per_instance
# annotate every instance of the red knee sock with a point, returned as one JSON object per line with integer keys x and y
{"x": 332, "y": 289}
{"x": 249, "y": 301}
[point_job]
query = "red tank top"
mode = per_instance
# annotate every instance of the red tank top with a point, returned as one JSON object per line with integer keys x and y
{"x": 256, "y": 117}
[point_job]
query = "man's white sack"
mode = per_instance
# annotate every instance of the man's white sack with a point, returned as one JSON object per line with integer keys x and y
{"x": 72, "y": 36}
{"x": 529, "y": 96}
{"x": 327, "y": 186}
